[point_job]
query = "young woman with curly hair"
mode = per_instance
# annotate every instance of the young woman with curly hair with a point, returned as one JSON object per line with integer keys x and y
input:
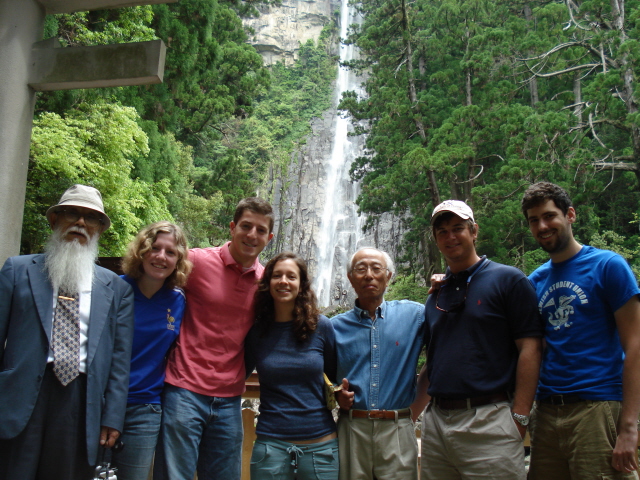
{"x": 156, "y": 266}
{"x": 291, "y": 345}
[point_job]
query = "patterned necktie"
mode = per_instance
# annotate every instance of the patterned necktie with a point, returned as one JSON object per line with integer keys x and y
{"x": 66, "y": 337}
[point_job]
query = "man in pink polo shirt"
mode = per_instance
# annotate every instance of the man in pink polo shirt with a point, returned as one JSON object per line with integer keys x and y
{"x": 202, "y": 422}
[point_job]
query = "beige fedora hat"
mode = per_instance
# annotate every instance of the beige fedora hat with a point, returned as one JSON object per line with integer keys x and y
{"x": 81, "y": 196}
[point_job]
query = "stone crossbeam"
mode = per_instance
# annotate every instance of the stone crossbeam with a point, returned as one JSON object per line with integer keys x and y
{"x": 118, "y": 65}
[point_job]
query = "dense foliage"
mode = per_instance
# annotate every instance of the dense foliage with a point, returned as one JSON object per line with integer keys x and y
{"x": 476, "y": 99}
{"x": 186, "y": 150}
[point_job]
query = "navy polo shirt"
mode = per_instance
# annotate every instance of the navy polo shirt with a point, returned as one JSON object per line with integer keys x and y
{"x": 471, "y": 345}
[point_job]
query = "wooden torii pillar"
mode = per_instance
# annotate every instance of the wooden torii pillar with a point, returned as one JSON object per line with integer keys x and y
{"x": 27, "y": 66}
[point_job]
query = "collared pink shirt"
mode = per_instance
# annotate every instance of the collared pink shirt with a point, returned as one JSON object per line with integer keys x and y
{"x": 209, "y": 355}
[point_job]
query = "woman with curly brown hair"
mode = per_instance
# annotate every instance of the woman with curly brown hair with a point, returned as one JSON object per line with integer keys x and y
{"x": 291, "y": 345}
{"x": 156, "y": 266}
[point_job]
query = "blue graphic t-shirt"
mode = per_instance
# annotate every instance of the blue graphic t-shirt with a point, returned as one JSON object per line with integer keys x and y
{"x": 577, "y": 299}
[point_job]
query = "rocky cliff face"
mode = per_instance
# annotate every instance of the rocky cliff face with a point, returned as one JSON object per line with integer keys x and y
{"x": 279, "y": 31}
{"x": 298, "y": 196}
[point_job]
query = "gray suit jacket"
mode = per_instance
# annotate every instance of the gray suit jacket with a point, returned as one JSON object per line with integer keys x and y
{"x": 26, "y": 316}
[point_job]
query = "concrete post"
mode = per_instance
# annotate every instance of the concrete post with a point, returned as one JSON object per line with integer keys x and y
{"x": 21, "y": 24}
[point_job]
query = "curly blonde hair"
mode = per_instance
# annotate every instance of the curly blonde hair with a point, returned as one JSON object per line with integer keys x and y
{"x": 138, "y": 248}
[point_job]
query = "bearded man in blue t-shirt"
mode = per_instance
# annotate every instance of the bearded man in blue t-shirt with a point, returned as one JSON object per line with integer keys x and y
{"x": 584, "y": 424}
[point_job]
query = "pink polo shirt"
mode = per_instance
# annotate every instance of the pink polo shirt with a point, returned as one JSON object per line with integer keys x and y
{"x": 209, "y": 354}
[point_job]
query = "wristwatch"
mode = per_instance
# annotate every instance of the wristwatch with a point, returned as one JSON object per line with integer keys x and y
{"x": 521, "y": 419}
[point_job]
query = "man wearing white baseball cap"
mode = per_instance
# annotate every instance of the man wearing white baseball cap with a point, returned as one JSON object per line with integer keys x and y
{"x": 483, "y": 336}
{"x": 66, "y": 328}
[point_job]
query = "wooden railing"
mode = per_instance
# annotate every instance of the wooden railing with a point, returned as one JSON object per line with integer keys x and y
{"x": 249, "y": 424}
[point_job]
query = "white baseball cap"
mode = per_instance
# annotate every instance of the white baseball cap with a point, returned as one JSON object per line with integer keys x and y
{"x": 457, "y": 207}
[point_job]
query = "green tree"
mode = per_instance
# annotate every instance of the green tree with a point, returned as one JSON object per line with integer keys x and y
{"x": 407, "y": 288}
{"x": 93, "y": 145}
{"x": 211, "y": 73}
{"x": 211, "y": 78}
{"x": 474, "y": 100}
{"x": 101, "y": 27}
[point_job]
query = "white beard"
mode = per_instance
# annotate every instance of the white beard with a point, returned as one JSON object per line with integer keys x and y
{"x": 70, "y": 265}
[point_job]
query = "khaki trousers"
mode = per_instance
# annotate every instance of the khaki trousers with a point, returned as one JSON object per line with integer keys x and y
{"x": 575, "y": 441}
{"x": 474, "y": 443}
{"x": 377, "y": 449}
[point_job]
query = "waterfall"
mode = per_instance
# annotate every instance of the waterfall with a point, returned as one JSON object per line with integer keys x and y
{"x": 340, "y": 229}
{"x": 314, "y": 199}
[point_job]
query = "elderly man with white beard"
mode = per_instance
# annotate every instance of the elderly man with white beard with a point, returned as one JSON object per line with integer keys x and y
{"x": 66, "y": 328}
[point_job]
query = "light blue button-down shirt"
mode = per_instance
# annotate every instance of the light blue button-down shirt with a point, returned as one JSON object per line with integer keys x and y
{"x": 379, "y": 357}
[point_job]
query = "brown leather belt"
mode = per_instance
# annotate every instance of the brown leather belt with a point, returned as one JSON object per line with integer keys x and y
{"x": 378, "y": 414}
{"x": 464, "y": 403}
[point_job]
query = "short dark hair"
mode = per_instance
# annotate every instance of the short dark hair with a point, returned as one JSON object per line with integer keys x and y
{"x": 255, "y": 205}
{"x": 305, "y": 310}
{"x": 447, "y": 216}
{"x": 542, "y": 192}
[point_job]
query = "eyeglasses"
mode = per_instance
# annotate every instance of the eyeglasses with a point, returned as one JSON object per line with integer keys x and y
{"x": 361, "y": 270}
{"x": 73, "y": 216}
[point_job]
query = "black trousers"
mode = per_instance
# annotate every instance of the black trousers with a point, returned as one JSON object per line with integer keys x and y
{"x": 53, "y": 444}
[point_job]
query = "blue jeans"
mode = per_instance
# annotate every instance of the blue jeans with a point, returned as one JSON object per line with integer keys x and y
{"x": 140, "y": 435}
{"x": 199, "y": 432}
{"x": 274, "y": 459}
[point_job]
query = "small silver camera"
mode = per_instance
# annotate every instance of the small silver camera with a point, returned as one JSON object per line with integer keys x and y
{"x": 105, "y": 472}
